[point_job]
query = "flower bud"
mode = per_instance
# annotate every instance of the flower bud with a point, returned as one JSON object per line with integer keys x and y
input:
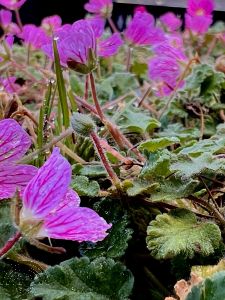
{"x": 82, "y": 124}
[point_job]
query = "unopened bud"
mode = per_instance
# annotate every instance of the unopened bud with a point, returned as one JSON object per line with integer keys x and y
{"x": 82, "y": 124}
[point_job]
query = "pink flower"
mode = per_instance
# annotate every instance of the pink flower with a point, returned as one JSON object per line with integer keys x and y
{"x": 14, "y": 143}
{"x": 110, "y": 46}
{"x": 79, "y": 47}
{"x": 166, "y": 67}
{"x": 140, "y": 8}
{"x": 171, "y": 21}
{"x": 12, "y": 4}
{"x": 200, "y": 7}
{"x": 6, "y": 22}
{"x": 198, "y": 24}
{"x": 52, "y": 210}
{"x": 98, "y": 24}
{"x": 141, "y": 30}
{"x": 9, "y": 84}
{"x": 199, "y": 15}
{"x": 51, "y": 24}
{"x": 33, "y": 36}
{"x": 99, "y": 7}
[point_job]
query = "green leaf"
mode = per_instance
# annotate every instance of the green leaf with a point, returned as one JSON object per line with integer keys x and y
{"x": 92, "y": 171}
{"x": 157, "y": 165}
{"x": 78, "y": 278}
{"x": 84, "y": 187}
{"x": 114, "y": 245}
{"x": 6, "y": 227}
{"x": 179, "y": 232}
{"x": 187, "y": 167}
{"x": 61, "y": 87}
{"x": 180, "y": 132}
{"x": 141, "y": 187}
{"x": 158, "y": 143}
{"x": 173, "y": 188}
{"x": 135, "y": 120}
{"x": 210, "y": 289}
{"x": 206, "y": 82}
{"x": 13, "y": 283}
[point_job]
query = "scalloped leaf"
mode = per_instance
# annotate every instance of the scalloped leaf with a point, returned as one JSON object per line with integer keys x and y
{"x": 207, "y": 82}
{"x": 13, "y": 283}
{"x": 78, "y": 278}
{"x": 179, "y": 232}
{"x": 84, "y": 187}
{"x": 210, "y": 289}
{"x": 158, "y": 165}
{"x": 173, "y": 188}
{"x": 187, "y": 167}
{"x": 158, "y": 143}
{"x": 141, "y": 187}
{"x": 136, "y": 120}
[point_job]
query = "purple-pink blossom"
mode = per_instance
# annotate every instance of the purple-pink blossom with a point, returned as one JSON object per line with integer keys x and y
{"x": 51, "y": 209}
{"x": 100, "y": 7}
{"x": 171, "y": 21}
{"x": 199, "y": 16}
{"x": 110, "y": 46}
{"x": 6, "y": 22}
{"x": 9, "y": 84}
{"x": 167, "y": 65}
{"x": 12, "y": 4}
{"x": 141, "y": 30}
{"x": 51, "y": 24}
{"x": 98, "y": 24}
{"x": 14, "y": 143}
{"x": 34, "y": 36}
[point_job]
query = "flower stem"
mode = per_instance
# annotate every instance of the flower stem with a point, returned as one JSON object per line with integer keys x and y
{"x": 18, "y": 19}
{"x": 129, "y": 56}
{"x": 112, "y": 24}
{"x": 11, "y": 242}
{"x": 95, "y": 98}
{"x": 115, "y": 180}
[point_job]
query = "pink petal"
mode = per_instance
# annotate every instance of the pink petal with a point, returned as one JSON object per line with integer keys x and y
{"x": 77, "y": 224}
{"x": 71, "y": 199}
{"x": 14, "y": 141}
{"x": 15, "y": 178}
{"x": 11, "y": 4}
{"x": 110, "y": 46}
{"x": 48, "y": 187}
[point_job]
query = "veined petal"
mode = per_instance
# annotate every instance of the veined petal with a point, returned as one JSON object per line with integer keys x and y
{"x": 13, "y": 178}
{"x": 14, "y": 141}
{"x": 71, "y": 199}
{"x": 45, "y": 191}
{"x": 77, "y": 224}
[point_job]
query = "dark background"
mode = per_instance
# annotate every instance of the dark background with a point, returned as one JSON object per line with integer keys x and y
{"x": 33, "y": 11}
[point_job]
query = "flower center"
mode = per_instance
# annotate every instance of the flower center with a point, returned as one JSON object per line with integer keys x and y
{"x": 200, "y": 12}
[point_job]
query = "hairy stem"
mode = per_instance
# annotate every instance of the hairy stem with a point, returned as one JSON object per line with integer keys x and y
{"x": 11, "y": 242}
{"x": 115, "y": 180}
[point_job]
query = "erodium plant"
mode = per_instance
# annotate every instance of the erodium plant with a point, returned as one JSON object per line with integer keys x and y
{"x": 112, "y": 160}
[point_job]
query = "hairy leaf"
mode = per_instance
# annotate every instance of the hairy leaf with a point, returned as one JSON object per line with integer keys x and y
{"x": 179, "y": 232}
{"x": 13, "y": 283}
{"x": 84, "y": 187}
{"x": 78, "y": 278}
{"x": 158, "y": 143}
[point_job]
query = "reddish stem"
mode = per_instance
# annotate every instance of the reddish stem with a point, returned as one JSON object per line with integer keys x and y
{"x": 11, "y": 242}
{"x": 18, "y": 19}
{"x": 115, "y": 180}
{"x": 95, "y": 98}
{"x": 112, "y": 25}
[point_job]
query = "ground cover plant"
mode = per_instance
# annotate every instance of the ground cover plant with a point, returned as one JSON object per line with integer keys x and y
{"x": 112, "y": 155}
